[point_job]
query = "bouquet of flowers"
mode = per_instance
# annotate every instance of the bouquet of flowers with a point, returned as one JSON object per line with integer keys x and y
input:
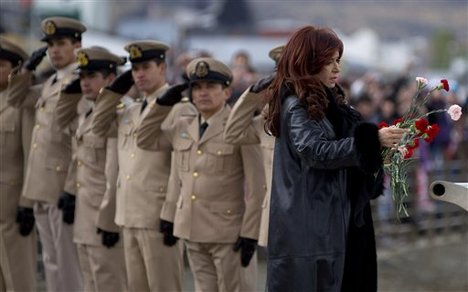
{"x": 398, "y": 158}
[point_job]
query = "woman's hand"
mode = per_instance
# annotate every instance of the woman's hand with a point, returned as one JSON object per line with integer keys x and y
{"x": 391, "y": 136}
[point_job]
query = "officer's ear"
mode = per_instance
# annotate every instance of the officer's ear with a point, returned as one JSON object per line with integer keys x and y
{"x": 227, "y": 91}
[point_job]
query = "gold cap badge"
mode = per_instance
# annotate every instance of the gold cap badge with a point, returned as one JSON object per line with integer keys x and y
{"x": 201, "y": 69}
{"x": 135, "y": 52}
{"x": 50, "y": 28}
{"x": 82, "y": 59}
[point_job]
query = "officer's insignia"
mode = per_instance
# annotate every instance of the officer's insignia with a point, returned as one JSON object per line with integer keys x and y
{"x": 82, "y": 59}
{"x": 201, "y": 69}
{"x": 135, "y": 52}
{"x": 50, "y": 28}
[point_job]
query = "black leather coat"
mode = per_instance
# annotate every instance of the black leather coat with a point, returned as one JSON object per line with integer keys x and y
{"x": 315, "y": 212}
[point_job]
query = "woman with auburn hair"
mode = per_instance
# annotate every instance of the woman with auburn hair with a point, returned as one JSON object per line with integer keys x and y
{"x": 327, "y": 166}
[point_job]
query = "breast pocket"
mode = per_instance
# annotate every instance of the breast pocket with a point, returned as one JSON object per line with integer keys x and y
{"x": 7, "y": 132}
{"x": 219, "y": 156}
{"x": 182, "y": 149}
{"x": 93, "y": 145}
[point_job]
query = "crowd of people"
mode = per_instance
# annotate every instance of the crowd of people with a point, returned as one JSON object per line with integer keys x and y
{"x": 120, "y": 173}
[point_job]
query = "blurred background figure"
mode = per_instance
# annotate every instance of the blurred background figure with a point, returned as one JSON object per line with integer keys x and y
{"x": 243, "y": 75}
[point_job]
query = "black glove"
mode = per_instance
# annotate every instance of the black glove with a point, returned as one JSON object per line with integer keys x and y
{"x": 247, "y": 247}
{"x": 109, "y": 239}
{"x": 122, "y": 83}
{"x": 73, "y": 87}
{"x": 25, "y": 219}
{"x": 167, "y": 228}
{"x": 66, "y": 202}
{"x": 173, "y": 95}
{"x": 35, "y": 59}
{"x": 262, "y": 83}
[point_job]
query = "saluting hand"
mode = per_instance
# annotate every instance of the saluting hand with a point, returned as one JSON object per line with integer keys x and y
{"x": 66, "y": 203}
{"x": 25, "y": 219}
{"x": 173, "y": 95}
{"x": 262, "y": 83}
{"x": 122, "y": 83}
{"x": 247, "y": 248}
{"x": 35, "y": 59}
{"x": 73, "y": 87}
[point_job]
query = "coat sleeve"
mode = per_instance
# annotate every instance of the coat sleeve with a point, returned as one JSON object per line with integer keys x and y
{"x": 70, "y": 181}
{"x": 105, "y": 112}
{"x": 173, "y": 192}
{"x": 66, "y": 109}
{"x": 254, "y": 174}
{"x": 312, "y": 144}
{"x": 239, "y": 127}
{"x": 27, "y": 124}
{"x": 106, "y": 215}
{"x": 18, "y": 87}
{"x": 150, "y": 130}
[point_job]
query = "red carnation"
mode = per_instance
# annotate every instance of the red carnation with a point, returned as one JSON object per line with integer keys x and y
{"x": 445, "y": 84}
{"x": 396, "y": 121}
{"x": 409, "y": 152}
{"x": 431, "y": 132}
{"x": 382, "y": 125}
{"x": 421, "y": 124}
{"x": 414, "y": 144}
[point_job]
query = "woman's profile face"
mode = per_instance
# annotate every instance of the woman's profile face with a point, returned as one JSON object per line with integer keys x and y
{"x": 331, "y": 71}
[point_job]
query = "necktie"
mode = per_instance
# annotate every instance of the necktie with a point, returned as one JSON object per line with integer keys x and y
{"x": 88, "y": 112}
{"x": 143, "y": 105}
{"x": 203, "y": 127}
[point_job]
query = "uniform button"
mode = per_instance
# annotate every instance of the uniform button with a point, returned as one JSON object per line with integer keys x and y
{"x": 58, "y": 168}
{"x": 134, "y": 134}
{"x": 199, "y": 152}
{"x": 79, "y": 163}
{"x": 219, "y": 152}
{"x": 128, "y": 177}
{"x": 41, "y": 108}
{"x": 161, "y": 189}
{"x": 38, "y": 126}
{"x": 195, "y": 174}
{"x": 78, "y": 185}
{"x": 228, "y": 211}
{"x": 194, "y": 197}
{"x": 132, "y": 155}
{"x": 34, "y": 146}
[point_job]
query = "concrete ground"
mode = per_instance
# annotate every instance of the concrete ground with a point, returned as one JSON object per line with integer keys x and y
{"x": 438, "y": 264}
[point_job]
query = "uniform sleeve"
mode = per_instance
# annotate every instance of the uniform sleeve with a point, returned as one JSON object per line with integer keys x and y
{"x": 239, "y": 128}
{"x": 105, "y": 112}
{"x": 150, "y": 130}
{"x": 106, "y": 215}
{"x": 70, "y": 181}
{"x": 173, "y": 192}
{"x": 254, "y": 174}
{"x": 310, "y": 142}
{"x": 66, "y": 109}
{"x": 27, "y": 124}
{"x": 19, "y": 84}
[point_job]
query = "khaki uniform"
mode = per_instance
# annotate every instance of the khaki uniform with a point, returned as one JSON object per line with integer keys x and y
{"x": 221, "y": 189}
{"x": 17, "y": 253}
{"x": 243, "y": 128}
{"x": 141, "y": 191}
{"x": 47, "y": 176}
{"x": 96, "y": 175}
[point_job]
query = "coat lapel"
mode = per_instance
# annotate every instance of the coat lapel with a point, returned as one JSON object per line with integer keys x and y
{"x": 216, "y": 126}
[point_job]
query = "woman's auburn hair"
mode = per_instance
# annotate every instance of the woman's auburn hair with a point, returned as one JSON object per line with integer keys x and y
{"x": 308, "y": 50}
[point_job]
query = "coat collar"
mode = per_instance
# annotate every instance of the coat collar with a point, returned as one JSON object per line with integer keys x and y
{"x": 215, "y": 126}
